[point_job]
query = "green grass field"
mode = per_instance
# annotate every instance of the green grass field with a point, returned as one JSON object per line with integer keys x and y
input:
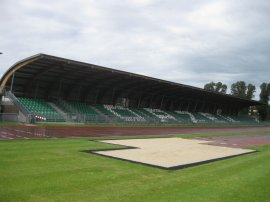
{"x": 55, "y": 170}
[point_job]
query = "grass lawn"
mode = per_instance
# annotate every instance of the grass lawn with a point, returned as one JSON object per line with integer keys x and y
{"x": 8, "y": 124}
{"x": 55, "y": 170}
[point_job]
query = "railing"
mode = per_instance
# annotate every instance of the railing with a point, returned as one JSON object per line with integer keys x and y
{"x": 100, "y": 119}
{"x": 17, "y": 103}
{"x": 9, "y": 117}
{"x": 51, "y": 117}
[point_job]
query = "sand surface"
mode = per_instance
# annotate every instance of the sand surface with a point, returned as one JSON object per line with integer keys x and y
{"x": 170, "y": 152}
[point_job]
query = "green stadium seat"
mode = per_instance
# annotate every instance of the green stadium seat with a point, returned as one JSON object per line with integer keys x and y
{"x": 118, "y": 114}
{"x": 40, "y": 109}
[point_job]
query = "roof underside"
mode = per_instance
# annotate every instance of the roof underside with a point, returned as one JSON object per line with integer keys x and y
{"x": 48, "y": 76}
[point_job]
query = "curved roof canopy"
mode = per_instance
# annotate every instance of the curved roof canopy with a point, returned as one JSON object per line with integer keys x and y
{"x": 48, "y": 76}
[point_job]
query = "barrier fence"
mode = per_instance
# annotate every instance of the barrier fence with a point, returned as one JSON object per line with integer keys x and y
{"x": 102, "y": 119}
{"x": 9, "y": 117}
{"x": 105, "y": 119}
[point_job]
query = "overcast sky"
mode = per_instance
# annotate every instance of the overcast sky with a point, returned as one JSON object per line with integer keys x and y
{"x": 186, "y": 41}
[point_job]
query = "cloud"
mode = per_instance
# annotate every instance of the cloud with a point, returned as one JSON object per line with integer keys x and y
{"x": 190, "y": 42}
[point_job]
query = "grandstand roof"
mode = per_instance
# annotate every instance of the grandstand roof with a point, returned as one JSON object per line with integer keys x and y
{"x": 49, "y": 74}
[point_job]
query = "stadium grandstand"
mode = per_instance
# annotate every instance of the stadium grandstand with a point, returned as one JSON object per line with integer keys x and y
{"x": 45, "y": 88}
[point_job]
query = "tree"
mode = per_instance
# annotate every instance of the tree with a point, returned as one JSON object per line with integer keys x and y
{"x": 240, "y": 89}
{"x": 251, "y": 89}
{"x": 268, "y": 113}
{"x": 216, "y": 87}
{"x": 264, "y": 98}
{"x": 265, "y": 92}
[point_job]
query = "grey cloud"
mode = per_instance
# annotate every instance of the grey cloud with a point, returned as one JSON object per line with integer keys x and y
{"x": 190, "y": 42}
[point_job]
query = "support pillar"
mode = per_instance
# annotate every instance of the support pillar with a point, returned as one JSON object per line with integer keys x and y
{"x": 12, "y": 81}
{"x": 161, "y": 102}
{"x": 96, "y": 98}
{"x": 195, "y": 107}
{"x": 139, "y": 102}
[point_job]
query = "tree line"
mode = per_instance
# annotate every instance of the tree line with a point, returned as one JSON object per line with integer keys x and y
{"x": 243, "y": 90}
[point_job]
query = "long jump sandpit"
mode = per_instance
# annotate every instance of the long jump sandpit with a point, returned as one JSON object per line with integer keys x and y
{"x": 169, "y": 153}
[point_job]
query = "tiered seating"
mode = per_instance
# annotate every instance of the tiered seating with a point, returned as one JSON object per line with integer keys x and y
{"x": 214, "y": 118}
{"x": 161, "y": 115}
{"x": 228, "y": 119}
{"x": 200, "y": 118}
{"x": 82, "y": 112}
{"x": 181, "y": 118}
{"x": 86, "y": 110}
{"x": 150, "y": 117}
{"x": 239, "y": 119}
{"x": 243, "y": 119}
{"x": 124, "y": 113}
{"x": 141, "y": 112}
{"x": 40, "y": 109}
{"x": 187, "y": 116}
{"x": 63, "y": 107}
{"x": 104, "y": 111}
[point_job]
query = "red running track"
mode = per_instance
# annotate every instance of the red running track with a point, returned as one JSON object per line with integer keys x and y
{"x": 238, "y": 141}
{"x": 26, "y": 132}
